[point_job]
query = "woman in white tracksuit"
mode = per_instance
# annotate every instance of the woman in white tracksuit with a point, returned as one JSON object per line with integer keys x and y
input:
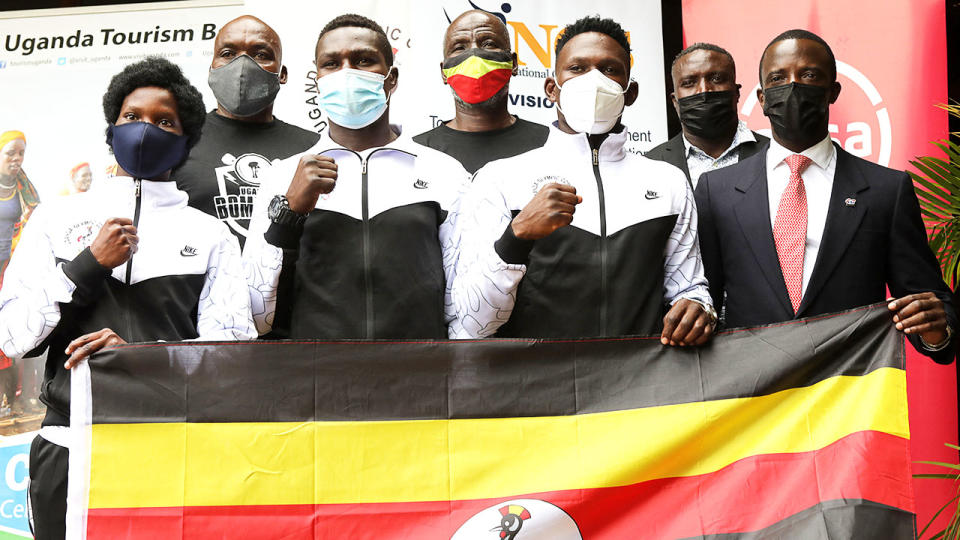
{"x": 128, "y": 261}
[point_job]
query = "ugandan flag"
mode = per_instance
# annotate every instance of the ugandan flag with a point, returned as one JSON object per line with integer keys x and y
{"x": 796, "y": 430}
{"x": 477, "y": 74}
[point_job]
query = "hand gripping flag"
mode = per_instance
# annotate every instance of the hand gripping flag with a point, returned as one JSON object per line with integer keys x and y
{"x": 796, "y": 430}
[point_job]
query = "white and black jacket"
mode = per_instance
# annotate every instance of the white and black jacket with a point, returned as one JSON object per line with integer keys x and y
{"x": 372, "y": 257}
{"x": 184, "y": 282}
{"x": 631, "y": 248}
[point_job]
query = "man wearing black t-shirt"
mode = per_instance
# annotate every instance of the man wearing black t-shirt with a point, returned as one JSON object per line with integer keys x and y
{"x": 477, "y": 66}
{"x": 241, "y": 138}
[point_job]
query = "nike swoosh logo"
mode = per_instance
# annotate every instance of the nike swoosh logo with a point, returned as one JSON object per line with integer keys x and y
{"x": 188, "y": 252}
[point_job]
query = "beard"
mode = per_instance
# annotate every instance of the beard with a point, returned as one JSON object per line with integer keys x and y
{"x": 492, "y": 103}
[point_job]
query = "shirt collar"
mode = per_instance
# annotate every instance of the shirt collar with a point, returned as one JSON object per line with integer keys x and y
{"x": 821, "y": 153}
{"x": 742, "y": 135}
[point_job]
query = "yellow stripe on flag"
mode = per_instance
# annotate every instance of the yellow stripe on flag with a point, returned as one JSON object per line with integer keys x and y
{"x": 476, "y": 67}
{"x": 182, "y": 464}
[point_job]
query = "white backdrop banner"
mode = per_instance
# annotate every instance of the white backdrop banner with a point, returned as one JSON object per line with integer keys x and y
{"x": 54, "y": 69}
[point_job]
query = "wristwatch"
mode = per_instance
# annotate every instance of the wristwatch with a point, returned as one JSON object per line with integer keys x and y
{"x": 280, "y": 213}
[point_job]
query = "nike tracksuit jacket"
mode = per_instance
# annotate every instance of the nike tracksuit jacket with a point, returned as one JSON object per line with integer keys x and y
{"x": 184, "y": 282}
{"x": 372, "y": 259}
{"x": 630, "y": 251}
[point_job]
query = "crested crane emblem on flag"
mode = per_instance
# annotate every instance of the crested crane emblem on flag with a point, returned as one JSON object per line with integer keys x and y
{"x": 520, "y": 519}
{"x": 513, "y": 517}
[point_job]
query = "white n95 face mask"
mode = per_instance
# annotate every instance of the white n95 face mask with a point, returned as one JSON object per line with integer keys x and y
{"x": 591, "y": 103}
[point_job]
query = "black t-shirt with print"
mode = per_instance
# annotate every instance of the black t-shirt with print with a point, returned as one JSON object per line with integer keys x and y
{"x": 474, "y": 149}
{"x": 225, "y": 168}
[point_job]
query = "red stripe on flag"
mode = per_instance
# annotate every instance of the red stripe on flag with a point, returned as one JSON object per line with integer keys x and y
{"x": 748, "y": 495}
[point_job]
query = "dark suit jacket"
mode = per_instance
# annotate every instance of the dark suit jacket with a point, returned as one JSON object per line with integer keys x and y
{"x": 675, "y": 153}
{"x": 873, "y": 238}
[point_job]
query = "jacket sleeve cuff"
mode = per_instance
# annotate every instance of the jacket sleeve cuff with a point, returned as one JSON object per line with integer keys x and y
{"x": 511, "y": 249}
{"x": 284, "y": 236}
{"x": 84, "y": 270}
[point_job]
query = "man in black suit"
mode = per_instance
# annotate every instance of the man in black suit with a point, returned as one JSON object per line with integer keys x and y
{"x": 705, "y": 96}
{"x": 805, "y": 228}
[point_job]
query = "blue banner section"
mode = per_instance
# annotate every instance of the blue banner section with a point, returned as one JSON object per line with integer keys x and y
{"x": 14, "y": 458}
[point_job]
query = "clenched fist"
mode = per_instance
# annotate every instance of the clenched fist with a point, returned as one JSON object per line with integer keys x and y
{"x": 551, "y": 208}
{"x": 315, "y": 176}
{"x": 115, "y": 243}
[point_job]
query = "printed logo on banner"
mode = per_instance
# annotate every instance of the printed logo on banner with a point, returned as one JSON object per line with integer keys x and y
{"x": 14, "y": 458}
{"x": 862, "y": 128}
{"x": 520, "y": 519}
{"x": 238, "y": 181}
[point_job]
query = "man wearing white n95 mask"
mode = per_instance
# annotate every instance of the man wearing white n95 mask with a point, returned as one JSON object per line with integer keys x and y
{"x": 349, "y": 239}
{"x": 580, "y": 238}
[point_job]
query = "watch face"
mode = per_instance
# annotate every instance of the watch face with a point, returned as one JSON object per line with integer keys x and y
{"x": 275, "y": 205}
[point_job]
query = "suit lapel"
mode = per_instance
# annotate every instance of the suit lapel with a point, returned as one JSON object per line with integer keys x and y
{"x": 675, "y": 153}
{"x": 753, "y": 216}
{"x": 841, "y": 226}
{"x": 748, "y": 149}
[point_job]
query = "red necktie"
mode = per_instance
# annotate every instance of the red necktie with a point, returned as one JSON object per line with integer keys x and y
{"x": 790, "y": 229}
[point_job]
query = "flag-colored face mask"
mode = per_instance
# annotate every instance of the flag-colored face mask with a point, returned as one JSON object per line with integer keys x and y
{"x": 476, "y": 75}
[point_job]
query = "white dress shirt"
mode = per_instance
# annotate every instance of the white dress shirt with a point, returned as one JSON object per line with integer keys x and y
{"x": 818, "y": 183}
{"x": 699, "y": 162}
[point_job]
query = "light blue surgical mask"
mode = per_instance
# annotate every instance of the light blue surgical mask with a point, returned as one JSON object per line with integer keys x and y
{"x": 352, "y": 98}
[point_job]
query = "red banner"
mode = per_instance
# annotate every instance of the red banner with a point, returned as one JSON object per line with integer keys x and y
{"x": 892, "y": 65}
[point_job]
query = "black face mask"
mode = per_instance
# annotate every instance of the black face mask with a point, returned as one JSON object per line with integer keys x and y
{"x": 797, "y": 112}
{"x": 710, "y": 115}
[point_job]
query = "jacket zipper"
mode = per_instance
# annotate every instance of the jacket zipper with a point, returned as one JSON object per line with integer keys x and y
{"x": 367, "y": 279}
{"x": 136, "y": 223}
{"x": 126, "y": 292}
{"x": 603, "y": 242}
{"x": 365, "y": 240}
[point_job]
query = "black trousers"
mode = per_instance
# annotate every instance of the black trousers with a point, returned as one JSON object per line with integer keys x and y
{"x": 48, "y": 489}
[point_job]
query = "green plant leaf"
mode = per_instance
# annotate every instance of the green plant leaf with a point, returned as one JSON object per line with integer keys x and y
{"x": 943, "y": 170}
{"x": 935, "y": 516}
{"x": 934, "y": 187}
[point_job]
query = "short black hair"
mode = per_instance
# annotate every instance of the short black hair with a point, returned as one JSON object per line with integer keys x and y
{"x": 594, "y": 23}
{"x": 701, "y": 46}
{"x": 798, "y": 33}
{"x": 161, "y": 73}
{"x": 359, "y": 21}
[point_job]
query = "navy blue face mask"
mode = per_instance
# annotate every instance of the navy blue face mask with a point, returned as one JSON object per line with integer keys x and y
{"x": 144, "y": 150}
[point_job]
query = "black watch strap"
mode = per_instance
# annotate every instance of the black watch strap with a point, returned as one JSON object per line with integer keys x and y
{"x": 280, "y": 213}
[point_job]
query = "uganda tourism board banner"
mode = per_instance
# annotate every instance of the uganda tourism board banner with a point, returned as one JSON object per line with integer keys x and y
{"x": 55, "y": 65}
{"x": 793, "y": 430}
{"x": 892, "y": 68}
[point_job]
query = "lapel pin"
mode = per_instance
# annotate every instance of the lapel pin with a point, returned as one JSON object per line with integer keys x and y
{"x": 850, "y": 201}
